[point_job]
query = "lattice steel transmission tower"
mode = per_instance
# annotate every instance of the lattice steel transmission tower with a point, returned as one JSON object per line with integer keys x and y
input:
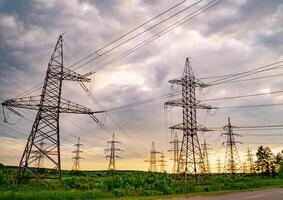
{"x": 112, "y": 153}
{"x": 218, "y": 166}
{"x": 152, "y": 160}
{"x": 245, "y": 167}
{"x": 77, "y": 156}
{"x": 162, "y": 163}
{"x": 39, "y": 163}
{"x": 176, "y": 149}
{"x": 190, "y": 158}
{"x": 232, "y": 158}
{"x": 205, "y": 158}
{"x": 250, "y": 161}
{"x": 49, "y": 105}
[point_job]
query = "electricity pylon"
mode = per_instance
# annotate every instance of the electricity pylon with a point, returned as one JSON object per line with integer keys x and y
{"x": 162, "y": 163}
{"x": 205, "y": 158}
{"x": 39, "y": 163}
{"x": 250, "y": 161}
{"x": 218, "y": 166}
{"x": 112, "y": 153}
{"x": 152, "y": 160}
{"x": 77, "y": 157}
{"x": 232, "y": 159}
{"x": 245, "y": 168}
{"x": 175, "y": 151}
{"x": 190, "y": 158}
{"x": 49, "y": 105}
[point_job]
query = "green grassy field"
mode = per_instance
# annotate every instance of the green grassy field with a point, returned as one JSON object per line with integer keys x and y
{"x": 129, "y": 185}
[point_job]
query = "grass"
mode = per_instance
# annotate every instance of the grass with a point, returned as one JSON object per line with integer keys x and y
{"x": 132, "y": 185}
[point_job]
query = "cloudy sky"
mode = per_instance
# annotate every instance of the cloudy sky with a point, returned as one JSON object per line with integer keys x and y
{"x": 231, "y": 37}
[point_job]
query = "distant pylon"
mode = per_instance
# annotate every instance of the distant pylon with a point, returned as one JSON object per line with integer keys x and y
{"x": 232, "y": 160}
{"x": 152, "y": 160}
{"x": 175, "y": 150}
{"x": 205, "y": 158}
{"x": 39, "y": 163}
{"x": 112, "y": 153}
{"x": 218, "y": 166}
{"x": 190, "y": 158}
{"x": 245, "y": 168}
{"x": 77, "y": 157}
{"x": 250, "y": 161}
{"x": 162, "y": 163}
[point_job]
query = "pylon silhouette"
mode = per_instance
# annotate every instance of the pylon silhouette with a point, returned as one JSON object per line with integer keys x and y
{"x": 162, "y": 163}
{"x": 175, "y": 142}
{"x": 112, "y": 153}
{"x": 250, "y": 162}
{"x": 232, "y": 158}
{"x": 190, "y": 158}
{"x": 205, "y": 158}
{"x": 152, "y": 160}
{"x": 218, "y": 166}
{"x": 77, "y": 157}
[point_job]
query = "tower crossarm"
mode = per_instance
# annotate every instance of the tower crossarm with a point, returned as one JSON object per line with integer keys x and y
{"x": 181, "y": 103}
{"x": 184, "y": 81}
{"x": 34, "y": 103}
{"x": 181, "y": 127}
{"x": 73, "y": 76}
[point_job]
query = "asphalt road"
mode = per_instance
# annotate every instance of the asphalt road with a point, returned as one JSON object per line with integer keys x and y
{"x": 270, "y": 194}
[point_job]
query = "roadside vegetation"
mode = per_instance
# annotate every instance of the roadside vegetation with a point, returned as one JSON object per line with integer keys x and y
{"x": 107, "y": 184}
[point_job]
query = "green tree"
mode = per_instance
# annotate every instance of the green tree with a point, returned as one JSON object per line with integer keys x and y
{"x": 265, "y": 160}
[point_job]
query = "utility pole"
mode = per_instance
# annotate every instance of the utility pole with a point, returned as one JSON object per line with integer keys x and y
{"x": 112, "y": 153}
{"x": 205, "y": 158}
{"x": 49, "y": 105}
{"x": 190, "y": 158}
{"x": 232, "y": 159}
{"x": 175, "y": 142}
{"x": 162, "y": 163}
{"x": 77, "y": 157}
{"x": 250, "y": 161}
{"x": 218, "y": 166}
{"x": 152, "y": 160}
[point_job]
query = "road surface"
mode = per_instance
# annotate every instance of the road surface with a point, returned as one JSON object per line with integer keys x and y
{"x": 270, "y": 194}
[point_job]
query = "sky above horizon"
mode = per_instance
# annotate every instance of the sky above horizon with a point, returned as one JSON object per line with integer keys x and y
{"x": 231, "y": 37}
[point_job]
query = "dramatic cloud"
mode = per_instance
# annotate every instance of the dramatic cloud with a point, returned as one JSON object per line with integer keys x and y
{"x": 229, "y": 38}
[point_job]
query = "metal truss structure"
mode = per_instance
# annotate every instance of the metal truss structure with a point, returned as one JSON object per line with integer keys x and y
{"x": 153, "y": 160}
{"x": 49, "y": 105}
{"x": 190, "y": 158}
{"x": 77, "y": 157}
{"x": 112, "y": 153}
{"x": 232, "y": 159}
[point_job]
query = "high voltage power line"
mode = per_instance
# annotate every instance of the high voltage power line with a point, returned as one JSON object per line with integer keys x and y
{"x": 127, "y": 33}
{"x": 144, "y": 43}
{"x": 228, "y": 78}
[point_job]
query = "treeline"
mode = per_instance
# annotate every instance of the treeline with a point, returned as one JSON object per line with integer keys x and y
{"x": 268, "y": 163}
